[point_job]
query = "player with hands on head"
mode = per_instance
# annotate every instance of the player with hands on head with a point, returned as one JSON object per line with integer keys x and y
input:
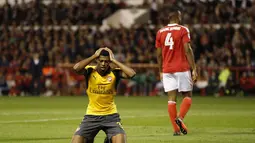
{"x": 101, "y": 81}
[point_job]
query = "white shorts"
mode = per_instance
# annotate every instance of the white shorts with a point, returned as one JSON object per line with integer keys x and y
{"x": 179, "y": 80}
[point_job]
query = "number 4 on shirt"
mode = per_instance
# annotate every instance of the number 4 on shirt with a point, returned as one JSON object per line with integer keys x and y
{"x": 169, "y": 41}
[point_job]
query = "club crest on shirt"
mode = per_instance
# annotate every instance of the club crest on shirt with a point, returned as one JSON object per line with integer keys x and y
{"x": 109, "y": 78}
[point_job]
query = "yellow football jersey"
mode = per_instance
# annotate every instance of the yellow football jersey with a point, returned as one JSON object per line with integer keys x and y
{"x": 101, "y": 91}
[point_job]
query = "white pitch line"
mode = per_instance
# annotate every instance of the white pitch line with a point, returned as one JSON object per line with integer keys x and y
{"x": 31, "y": 113}
{"x": 65, "y": 119}
{"x": 123, "y": 117}
{"x": 39, "y": 113}
{"x": 222, "y": 113}
{"x": 38, "y": 120}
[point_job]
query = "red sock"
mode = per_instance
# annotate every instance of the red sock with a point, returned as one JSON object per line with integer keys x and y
{"x": 172, "y": 112}
{"x": 185, "y": 105}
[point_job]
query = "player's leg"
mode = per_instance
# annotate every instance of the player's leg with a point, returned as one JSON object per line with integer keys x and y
{"x": 79, "y": 139}
{"x": 119, "y": 138}
{"x": 185, "y": 87}
{"x": 113, "y": 129}
{"x": 87, "y": 130}
{"x": 184, "y": 108}
{"x": 172, "y": 110}
{"x": 170, "y": 86}
{"x": 185, "y": 105}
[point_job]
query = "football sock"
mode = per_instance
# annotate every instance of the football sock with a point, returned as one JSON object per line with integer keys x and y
{"x": 185, "y": 105}
{"x": 173, "y": 114}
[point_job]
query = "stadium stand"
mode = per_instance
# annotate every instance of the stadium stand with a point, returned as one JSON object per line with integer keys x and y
{"x": 222, "y": 38}
{"x": 36, "y": 12}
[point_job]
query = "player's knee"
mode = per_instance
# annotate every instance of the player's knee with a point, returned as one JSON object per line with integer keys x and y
{"x": 187, "y": 94}
{"x": 171, "y": 96}
{"x": 119, "y": 138}
{"x": 78, "y": 139}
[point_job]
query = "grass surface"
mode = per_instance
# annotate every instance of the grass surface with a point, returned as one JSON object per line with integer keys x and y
{"x": 145, "y": 119}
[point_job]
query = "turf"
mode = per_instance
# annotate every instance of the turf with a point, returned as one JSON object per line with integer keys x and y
{"x": 145, "y": 119}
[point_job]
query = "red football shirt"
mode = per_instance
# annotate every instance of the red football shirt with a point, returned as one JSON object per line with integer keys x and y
{"x": 171, "y": 39}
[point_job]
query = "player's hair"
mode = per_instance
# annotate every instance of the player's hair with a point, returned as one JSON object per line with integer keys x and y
{"x": 173, "y": 14}
{"x": 104, "y": 53}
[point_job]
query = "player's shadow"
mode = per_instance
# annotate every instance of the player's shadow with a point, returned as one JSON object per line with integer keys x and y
{"x": 32, "y": 139}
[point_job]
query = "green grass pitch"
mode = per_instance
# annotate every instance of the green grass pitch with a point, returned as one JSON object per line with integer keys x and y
{"x": 145, "y": 119}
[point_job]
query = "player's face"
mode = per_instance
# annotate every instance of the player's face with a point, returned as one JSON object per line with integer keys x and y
{"x": 104, "y": 62}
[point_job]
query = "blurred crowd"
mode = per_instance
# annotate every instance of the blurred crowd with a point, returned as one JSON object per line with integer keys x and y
{"x": 76, "y": 12}
{"x": 30, "y": 58}
{"x": 204, "y": 11}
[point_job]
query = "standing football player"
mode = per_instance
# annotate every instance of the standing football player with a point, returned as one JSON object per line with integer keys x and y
{"x": 102, "y": 82}
{"x": 177, "y": 68}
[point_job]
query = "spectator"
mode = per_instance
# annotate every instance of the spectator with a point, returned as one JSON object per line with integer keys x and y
{"x": 247, "y": 83}
{"x": 4, "y": 90}
{"x": 154, "y": 6}
{"x": 36, "y": 71}
{"x": 223, "y": 78}
{"x": 213, "y": 83}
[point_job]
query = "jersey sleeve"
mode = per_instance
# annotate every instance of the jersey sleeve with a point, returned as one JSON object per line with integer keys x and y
{"x": 87, "y": 73}
{"x": 88, "y": 70}
{"x": 117, "y": 72}
{"x": 157, "y": 43}
{"x": 185, "y": 35}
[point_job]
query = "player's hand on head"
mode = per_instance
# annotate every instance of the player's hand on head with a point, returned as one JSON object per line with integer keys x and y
{"x": 107, "y": 49}
{"x": 110, "y": 53}
{"x": 97, "y": 53}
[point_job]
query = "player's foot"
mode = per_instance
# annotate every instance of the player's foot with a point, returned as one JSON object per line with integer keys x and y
{"x": 177, "y": 133}
{"x": 181, "y": 125}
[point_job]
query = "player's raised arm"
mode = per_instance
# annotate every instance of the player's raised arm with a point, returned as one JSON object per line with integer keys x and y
{"x": 191, "y": 60}
{"x": 80, "y": 66}
{"x": 127, "y": 72}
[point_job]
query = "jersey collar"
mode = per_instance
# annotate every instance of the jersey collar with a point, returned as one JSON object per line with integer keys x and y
{"x": 173, "y": 24}
{"x": 105, "y": 73}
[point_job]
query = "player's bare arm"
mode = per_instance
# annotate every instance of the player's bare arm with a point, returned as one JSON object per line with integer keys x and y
{"x": 159, "y": 58}
{"x": 79, "y": 67}
{"x": 191, "y": 60}
{"x": 127, "y": 72}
